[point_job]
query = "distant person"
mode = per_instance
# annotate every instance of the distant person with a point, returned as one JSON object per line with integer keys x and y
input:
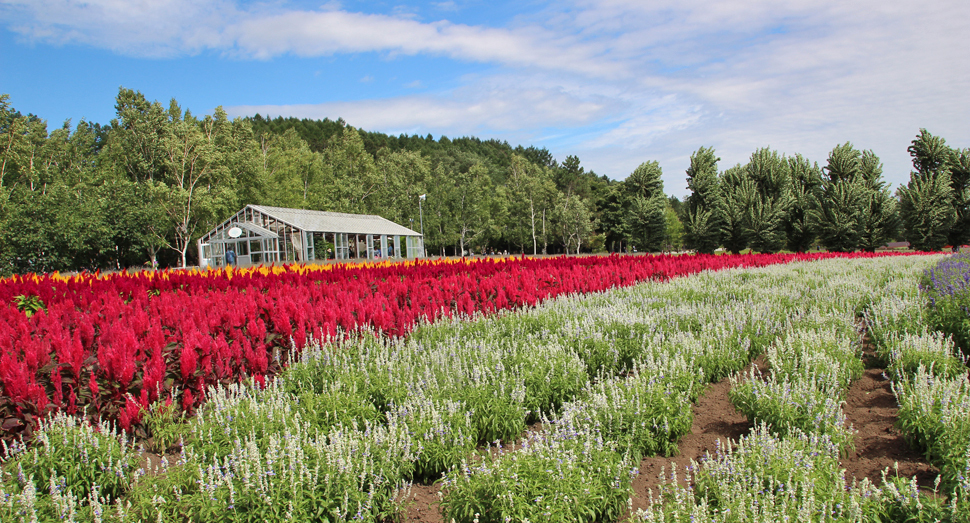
{"x": 230, "y": 258}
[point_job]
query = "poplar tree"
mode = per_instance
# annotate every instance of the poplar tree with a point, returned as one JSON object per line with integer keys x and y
{"x": 960, "y": 184}
{"x": 880, "y": 217}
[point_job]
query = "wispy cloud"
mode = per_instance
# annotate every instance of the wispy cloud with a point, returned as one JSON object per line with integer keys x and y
{"x": 615, "y": 81}
{"x": 477, "y": 110}
{"x": 173, "y": 27}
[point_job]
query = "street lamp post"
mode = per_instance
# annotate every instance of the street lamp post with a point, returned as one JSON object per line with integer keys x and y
{"x": 424, "y": 252}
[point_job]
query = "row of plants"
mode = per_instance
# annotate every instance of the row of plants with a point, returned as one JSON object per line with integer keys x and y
{"x": 947, "y": 286}
{"x": 788, "y": 469}
{"x": 351, "y": 424}
{"x": 930, "y": 380}
{"x": 795, "y": 315}
{"x": 112, "y": 345}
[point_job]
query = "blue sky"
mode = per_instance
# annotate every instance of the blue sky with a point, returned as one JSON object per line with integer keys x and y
{"x": 615, "y": 82}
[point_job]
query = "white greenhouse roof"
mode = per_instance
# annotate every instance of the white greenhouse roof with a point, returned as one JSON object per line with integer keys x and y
{"x": 323, "y": 221}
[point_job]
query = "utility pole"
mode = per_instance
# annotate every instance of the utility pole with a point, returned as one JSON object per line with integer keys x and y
{"x": 424, "y": 251}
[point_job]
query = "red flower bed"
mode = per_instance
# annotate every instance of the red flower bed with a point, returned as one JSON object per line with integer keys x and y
{"x": 113, "y": 344}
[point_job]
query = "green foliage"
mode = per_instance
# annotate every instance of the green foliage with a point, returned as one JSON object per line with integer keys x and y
{"x": 647, "y": 205}
{"x": 567, "y": 474}
{"x": 789, "y": 406}
{"x": 29, "y": 305}
{"x": 907, "y": 353}
{"x": 924, "y": 206}
{"x": 764, "y": 477}
{"x": 935, "y": 199}
{"x": 674, "y": 232}
{"x": 703, "y": 224}
{"x": 739, "y": 195}
{"x": 934, "y": 415}
{"x": 165, "y": 421}
{"x": 854, "y": 209}
{"x": 643, "y": 414}
{"x": 800, "y": 230}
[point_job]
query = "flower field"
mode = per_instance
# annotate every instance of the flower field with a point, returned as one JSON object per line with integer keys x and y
{"x": 607, "y": 373}
{"x": 114, "y": 344}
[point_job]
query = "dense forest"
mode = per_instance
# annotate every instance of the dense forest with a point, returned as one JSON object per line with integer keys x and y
{"x": 149, "y": 183}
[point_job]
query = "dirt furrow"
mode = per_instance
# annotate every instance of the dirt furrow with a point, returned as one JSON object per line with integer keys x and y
{"x": 715, "y": 419}
{"x": 871, "y": 408}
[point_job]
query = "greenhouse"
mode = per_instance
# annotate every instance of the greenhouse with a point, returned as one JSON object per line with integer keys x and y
{"x": 260, "y": 234}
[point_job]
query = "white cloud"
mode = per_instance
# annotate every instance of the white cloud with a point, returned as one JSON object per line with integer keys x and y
{"x": 617, "y": 82}
{"x": 141, "y": 28}
{"x": 173, "y": 27}
{"x": 494, "y": 109}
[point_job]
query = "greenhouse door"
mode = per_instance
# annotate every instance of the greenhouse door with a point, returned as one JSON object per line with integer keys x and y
{"x": 342, "y": 246}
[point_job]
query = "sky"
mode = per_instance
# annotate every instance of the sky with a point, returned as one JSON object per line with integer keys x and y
{"x": 614, "y": 82}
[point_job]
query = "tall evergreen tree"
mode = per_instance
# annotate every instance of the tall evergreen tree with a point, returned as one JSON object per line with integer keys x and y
{"x": 854, "y": 209}
{"x": 739, "y": 193}
{"x": 806, "y": 179}
{"x": 648, "y": 204}
{"x": 926, "y": 203}
{"x": 960, "y": 183}
{"x": 926, "y": 210}
{"x": 767, "y": 214}
{"x": 879, "y": 218}
{"x": 704, "y": 220}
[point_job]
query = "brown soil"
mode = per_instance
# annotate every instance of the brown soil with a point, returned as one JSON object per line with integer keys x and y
{"x": 423, "y": 504}
{"x": 871, "y": 408}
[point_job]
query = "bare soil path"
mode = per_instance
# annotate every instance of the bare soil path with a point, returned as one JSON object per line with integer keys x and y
{"x": 871, "y": 408}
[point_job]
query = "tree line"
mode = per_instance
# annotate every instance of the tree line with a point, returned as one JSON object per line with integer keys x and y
{"x": 144, "y": 187}
{"x": 776, "y": 202}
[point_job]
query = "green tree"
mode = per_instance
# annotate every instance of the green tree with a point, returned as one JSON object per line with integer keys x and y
{"x": 960, "y": 184}
{"x": 471, "y": 205}
{"x": 138, "y": 136}
{"x": 648, "y": 203}
{"x": 768, "y": 212}
{"x": 614, "y": 208}
{"x": 355, "y": 177}
{"x": 854, "y": 209}
{"x": 292, "y": 174}
{"x": 703, "y": 215}
{"x": 926, "y": 203}
{"x": 879, "y": 218}
{"x": 573, "y": 221}
{"x": 739, "y": 194}
{"x": 196, "y": 176}
{"x": 926, "y": 210}
{"x": 404, "y": 176}
{"x": 531, "y": 191}
{"x": 674, "y": 240}
{"x": 800, "y": 230}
